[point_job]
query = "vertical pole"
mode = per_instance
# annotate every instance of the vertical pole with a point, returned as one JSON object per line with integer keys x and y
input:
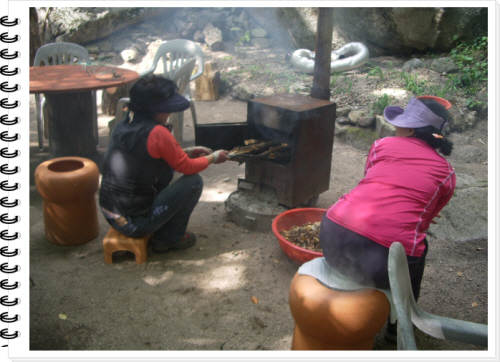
{"x": 322, "y": 66}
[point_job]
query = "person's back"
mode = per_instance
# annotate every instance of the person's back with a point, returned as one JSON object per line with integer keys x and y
{"x": 406, "y": 183}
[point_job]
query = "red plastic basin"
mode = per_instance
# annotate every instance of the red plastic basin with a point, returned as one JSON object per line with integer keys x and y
{"x": 441, "y": 101}
{"x": 289, "y": 219}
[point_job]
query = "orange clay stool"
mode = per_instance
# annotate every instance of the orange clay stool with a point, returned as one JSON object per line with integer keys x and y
{"x": 115, "y": 241}
{"x": 326, "y": 319}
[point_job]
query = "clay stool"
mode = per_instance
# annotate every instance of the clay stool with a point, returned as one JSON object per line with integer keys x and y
{"x": 68, "y": 186}
{"x": 326, "y": 319}
{"x": 115, "y": 241}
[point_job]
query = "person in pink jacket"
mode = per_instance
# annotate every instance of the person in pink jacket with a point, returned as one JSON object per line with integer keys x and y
{"x": 405, "y": 186}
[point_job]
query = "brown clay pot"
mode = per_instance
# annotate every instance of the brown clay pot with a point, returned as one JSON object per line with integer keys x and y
{"x": 68, "y": 186}
{"x": 326, "y": 319}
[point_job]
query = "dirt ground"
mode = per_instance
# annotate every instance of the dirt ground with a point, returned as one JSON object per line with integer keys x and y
{"x": 201, "y": 298}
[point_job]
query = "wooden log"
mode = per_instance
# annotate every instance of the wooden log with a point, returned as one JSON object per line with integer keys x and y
{"x": 213, "y": 37}
{"x": 110, "y": 98}
{"x": 208, "y": 84}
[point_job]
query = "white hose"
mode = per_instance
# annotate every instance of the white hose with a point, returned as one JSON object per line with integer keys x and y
{"x": 356, "y": 55}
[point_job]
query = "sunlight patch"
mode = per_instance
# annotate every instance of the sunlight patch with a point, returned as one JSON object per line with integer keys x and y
{"x": 158, "y": 280}
{"x": 225, "y": 277}
{"x": 396, "y": 93}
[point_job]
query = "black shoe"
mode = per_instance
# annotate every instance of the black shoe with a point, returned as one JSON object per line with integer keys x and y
{"x": 391, "y": 333}
{"x": 187, "y": 241}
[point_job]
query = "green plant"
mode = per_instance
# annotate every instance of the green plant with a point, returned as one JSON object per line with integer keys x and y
{"x": 412, "y": 83}
{"x": 448, "y": 89}
{"x": 382, "y": 102}
{"x": 242, "y": 40}
{"x": 471, "y": 59}
{"x": 473, "y": 104}
{"x": 375, "y": 71}
{"x": 333, "y": 79}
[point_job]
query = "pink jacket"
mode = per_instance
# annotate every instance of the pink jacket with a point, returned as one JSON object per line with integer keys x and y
{"x": 405, "y": 186}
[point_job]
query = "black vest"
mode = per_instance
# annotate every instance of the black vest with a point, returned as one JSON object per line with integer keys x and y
{"x": 130, "y": 176}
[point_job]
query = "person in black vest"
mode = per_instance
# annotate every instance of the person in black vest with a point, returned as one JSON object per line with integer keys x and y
{"x": 137, "y": 196}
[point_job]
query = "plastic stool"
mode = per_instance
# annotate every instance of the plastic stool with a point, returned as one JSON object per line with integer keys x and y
{"x": 115, "y": 241}
{"x": 327, "y": 319}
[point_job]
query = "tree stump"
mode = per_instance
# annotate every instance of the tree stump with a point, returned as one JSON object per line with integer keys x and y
{"x": 110, "y": 98}
{"x": 208, "y": 84}
{"x": 70, "y": 124}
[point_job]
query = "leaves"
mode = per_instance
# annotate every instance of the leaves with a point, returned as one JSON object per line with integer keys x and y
{"x": 306, "y": 236}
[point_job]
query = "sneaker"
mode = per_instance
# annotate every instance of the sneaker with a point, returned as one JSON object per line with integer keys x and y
{"x": 187, "y": 241}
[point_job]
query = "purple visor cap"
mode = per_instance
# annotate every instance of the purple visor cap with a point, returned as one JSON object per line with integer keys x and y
{"x": 173, "y": 104}
{"x": 415, "y": 115}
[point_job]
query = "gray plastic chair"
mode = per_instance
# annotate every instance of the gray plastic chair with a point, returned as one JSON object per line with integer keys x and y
{"x": 173, "y": 54}
{"x": 56, "y": 54}
{"x": 409, "y": 312}
{"x": 182, "y": 78}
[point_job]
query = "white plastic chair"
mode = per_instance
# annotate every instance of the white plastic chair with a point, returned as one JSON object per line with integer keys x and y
{"x": 173, "y": 55}
{"x": 182, "y": 78}
{"x": 56, "y": 54}
{"x": 409, "y": 312}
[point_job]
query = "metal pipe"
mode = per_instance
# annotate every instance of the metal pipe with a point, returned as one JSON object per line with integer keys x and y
{"x": 324, "y": 35}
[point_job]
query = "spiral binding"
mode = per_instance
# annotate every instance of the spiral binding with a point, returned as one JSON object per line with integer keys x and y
{"x": 4, "y": 70}
{"x": 7, "y": 87}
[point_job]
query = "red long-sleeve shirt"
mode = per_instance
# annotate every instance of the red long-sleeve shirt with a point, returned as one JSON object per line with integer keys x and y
{"x": 405, "y": 186}
{"x": 162, "y": 144}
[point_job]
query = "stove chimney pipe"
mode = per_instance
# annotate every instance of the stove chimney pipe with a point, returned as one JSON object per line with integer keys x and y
{"x": 322, "y": 64}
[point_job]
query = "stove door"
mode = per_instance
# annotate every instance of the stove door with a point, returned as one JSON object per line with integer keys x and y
{"x": 221, "y": 136}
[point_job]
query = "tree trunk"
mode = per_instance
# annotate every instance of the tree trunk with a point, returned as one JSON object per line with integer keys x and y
{"x": 208, "y": 84}
{"x": 70, "y": 123}
{"x": 35, "y": 38}
{"x": 110, "y": 98}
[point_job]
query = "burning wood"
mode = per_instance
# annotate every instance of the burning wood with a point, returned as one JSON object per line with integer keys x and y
{"x": 253, "y": 147}
{"x": 266, "y": 150}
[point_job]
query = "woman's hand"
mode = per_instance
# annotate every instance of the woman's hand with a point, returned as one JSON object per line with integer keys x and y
{"x": 198, "y": 151}
{"x": 434, "y": 221}
{"x": 220, "y": 156}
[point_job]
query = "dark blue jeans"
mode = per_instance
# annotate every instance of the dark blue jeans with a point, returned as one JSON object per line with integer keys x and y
{"x": 169, "y": 215}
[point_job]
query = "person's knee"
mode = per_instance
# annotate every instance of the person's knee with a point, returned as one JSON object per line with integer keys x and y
{"x": 196, "y": 181}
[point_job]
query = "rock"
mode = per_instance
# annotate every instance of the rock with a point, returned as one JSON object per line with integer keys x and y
{"x": 355, "y": 116}
{"x": 366, "y": 122}
{"x": 199, "y": 37}
{"x": 465, "y": 218}
{"x": 342, "y": 120}
{"x": 469, "y": 153}
{"x": 93, "y": 49}
{"x": 444, "y": 65}
{"x": 260, "y": 43}
{"x": 84, "y": 25}
{"x": 412, "y": 64}
{"x": 361, "y": 138}
{"x": 130, "y": 55}
{"x": 402, "y": 30}
{"x": 258, "y": 33}
{"x": 461, "y": 121}
{"x": 290, "y": 27}
{"x": 384, "y": 128}
{"x": 242, "y": 92}
{"x": 123, "y": 44}
{"x": 341, "y": 131}
{"x": 343, "y": 111}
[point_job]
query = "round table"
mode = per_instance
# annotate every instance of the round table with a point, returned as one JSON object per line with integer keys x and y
{"x": 69, "y": 104}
